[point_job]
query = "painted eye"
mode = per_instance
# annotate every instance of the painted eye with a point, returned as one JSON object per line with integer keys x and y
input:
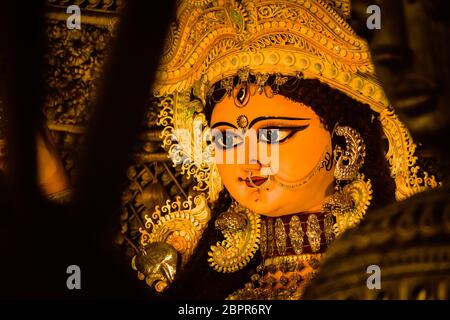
{"x": 273, "y": 136}
{"x": 227, "y": 139}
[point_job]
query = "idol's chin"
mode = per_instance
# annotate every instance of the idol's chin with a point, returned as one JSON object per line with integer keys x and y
{"x": 267, "y": 209}
{"x": 257, "y": 205}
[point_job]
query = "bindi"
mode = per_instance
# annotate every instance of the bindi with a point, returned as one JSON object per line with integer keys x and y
{"x": 242, "y": 121}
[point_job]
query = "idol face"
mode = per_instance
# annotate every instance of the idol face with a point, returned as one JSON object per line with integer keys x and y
{"x": 411, "y": 55}
{"x": 273, "y": 154}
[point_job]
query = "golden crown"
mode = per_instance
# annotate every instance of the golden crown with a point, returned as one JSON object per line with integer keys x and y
{"x": 287, "y": 37}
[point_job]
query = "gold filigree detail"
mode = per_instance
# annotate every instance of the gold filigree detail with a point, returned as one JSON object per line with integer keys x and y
{"x": 187, "y": 138}
{"x": 263, "y": 240}
{"x": 295, "y": 273}
{"x": 270, "y": 238}
{"x": 409, "y": 178}
{"x": 177, "y": 223}
{"x": 342, "y": 7}
{"x": 291, "y": 258}
{"x": 296, "y": 234}
{"x": 348, "y": 161}
{"x": 280, "y": 236}
{"x": 232, "y": 219}
{"x": 238, "y": 248}
{"x": 313, "y": 232}
{"x": 328, "y": 227}
{"x": 360, "y": 191}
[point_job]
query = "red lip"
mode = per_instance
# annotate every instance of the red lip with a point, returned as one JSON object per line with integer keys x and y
{"x": 257, "y": 181}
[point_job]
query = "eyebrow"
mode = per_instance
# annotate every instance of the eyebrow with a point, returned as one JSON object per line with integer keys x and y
{"x": 254, "y": 121}
{"x": 223, "y": 123}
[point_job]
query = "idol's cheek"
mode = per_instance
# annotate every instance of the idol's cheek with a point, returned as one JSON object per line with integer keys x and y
{"x": 294, "y": 167}
{"x": 302, "y": 153}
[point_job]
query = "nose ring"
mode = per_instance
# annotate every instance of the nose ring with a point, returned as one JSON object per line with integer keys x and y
{"x": 266, "y": 169}
{"x": 249, "y": 177}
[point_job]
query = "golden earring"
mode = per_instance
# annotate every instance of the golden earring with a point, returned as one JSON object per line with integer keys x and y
{"x": 350, "y": 160}
{"x": 349, "y": 204}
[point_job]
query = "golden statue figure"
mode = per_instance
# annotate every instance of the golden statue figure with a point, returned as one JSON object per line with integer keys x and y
{"x": 274, "y": 109}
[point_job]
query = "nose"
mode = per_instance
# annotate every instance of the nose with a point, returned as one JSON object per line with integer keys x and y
{"x": 389, "y": 45}
{"x": 250, "y": 161}
{"x": 253, "y": 165}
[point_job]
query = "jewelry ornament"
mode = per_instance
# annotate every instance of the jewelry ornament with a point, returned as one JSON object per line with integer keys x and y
{"x": 348, "y": 161}
{"x": 231, "y": 220}
{"x": 242, "y": 121}
{"x": 241, "y": 240}
{"x": 349, "y": 204}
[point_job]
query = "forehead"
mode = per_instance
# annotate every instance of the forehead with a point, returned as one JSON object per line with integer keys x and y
{"x": 260, "y": 105}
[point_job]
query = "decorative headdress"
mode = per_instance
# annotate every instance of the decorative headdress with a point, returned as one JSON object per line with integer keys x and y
{"x": 216, "y": 39}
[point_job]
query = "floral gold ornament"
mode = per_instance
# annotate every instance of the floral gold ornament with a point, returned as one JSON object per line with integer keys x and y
{"x": 279, "y": 81}
{"x": 289, "y": 238}
{"x": 263, "y": 239}
{"x": 179, "y": 225}
{"x": 231, "y": 220}
{"x": 360, "y": 193}
{"x": 261, "y": 79}
{"x": 298, "y": 270}
{"x": 239, "y": 246}
{"x": 227, "y": 85}
{"x": 350, "y": 160}
{"x": 313, "y": 232}
{"x": 296, "y": 234}
{"x": 328, "y": 227}
{"x": 280, "y": 236}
